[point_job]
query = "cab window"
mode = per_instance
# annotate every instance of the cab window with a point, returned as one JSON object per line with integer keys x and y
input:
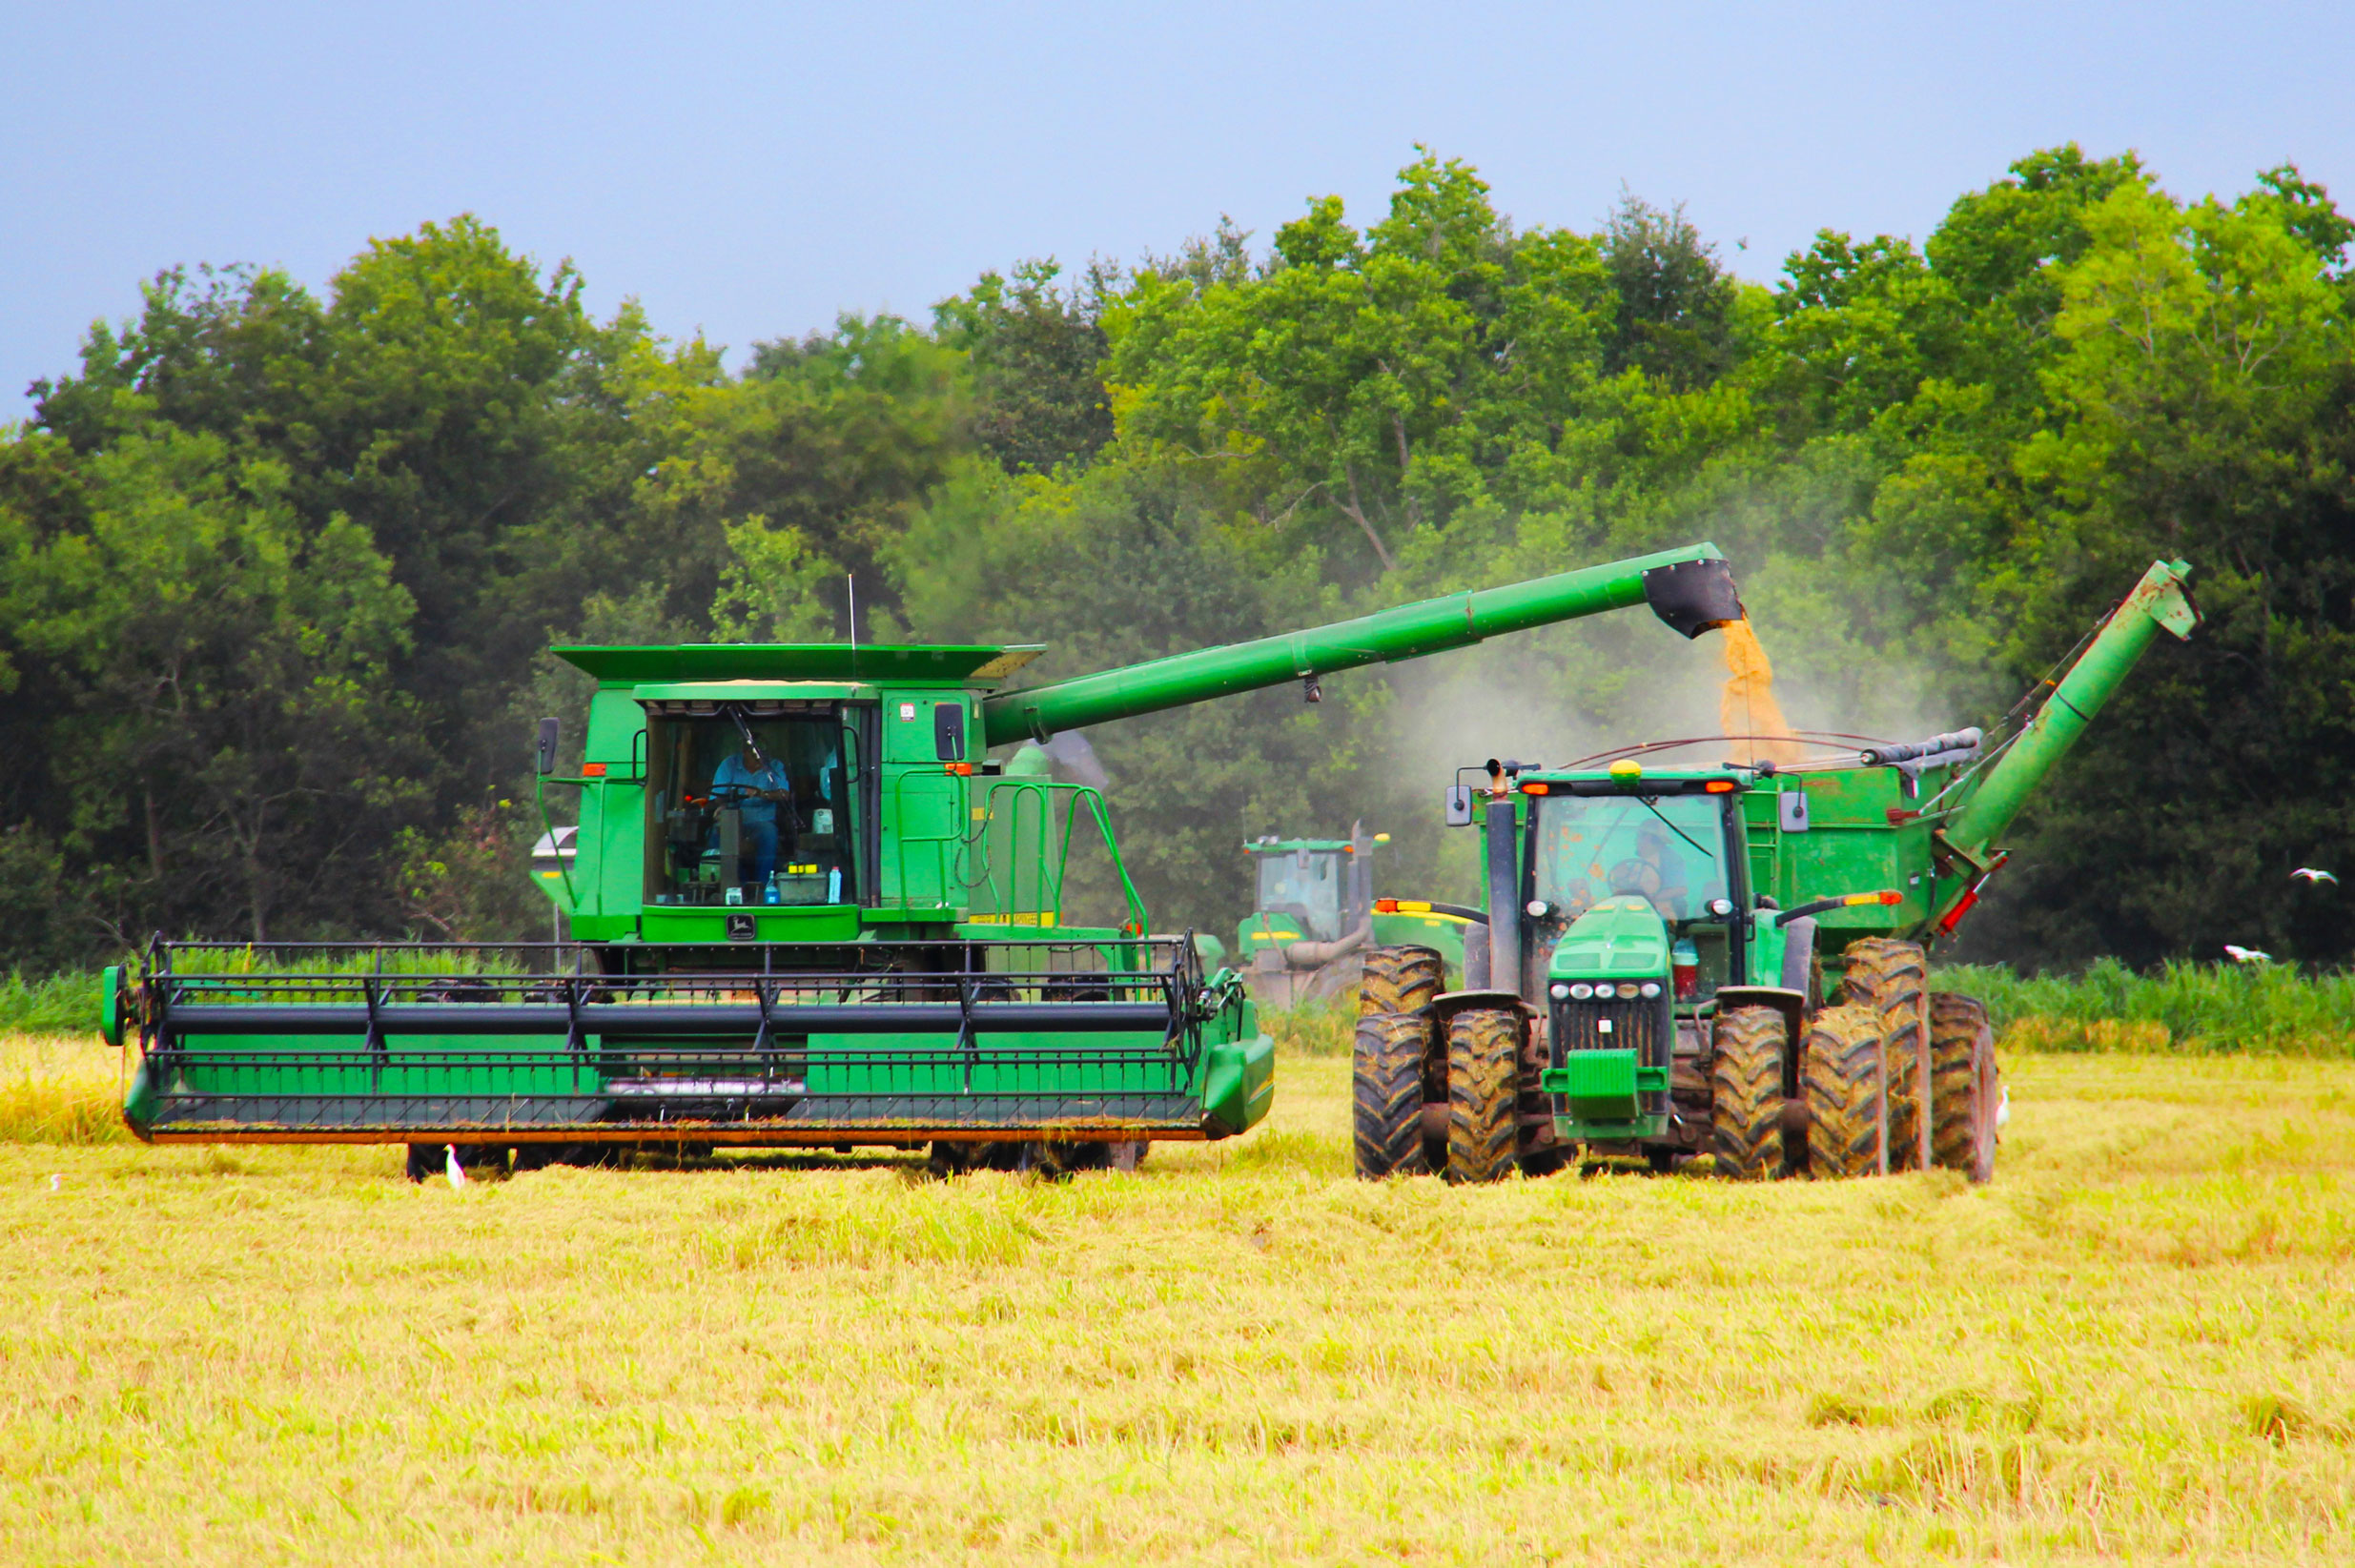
{"x": 1669, "y": 848}
{"x": 752, "y": 803}
{"x": 1306, "y": 886}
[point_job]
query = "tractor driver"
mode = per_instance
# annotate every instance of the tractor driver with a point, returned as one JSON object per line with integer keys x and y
{"x": 756, "y": 785}
{"x": 1668, "y": 891}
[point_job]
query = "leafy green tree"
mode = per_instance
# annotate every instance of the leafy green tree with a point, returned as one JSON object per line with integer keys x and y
{"x": 1033, "y": 351}
{"x": 226, "y": 666}
{"x": 1677, "y": 314}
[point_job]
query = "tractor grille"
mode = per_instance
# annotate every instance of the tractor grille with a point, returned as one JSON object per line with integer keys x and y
{"x": 1646, "y": 1027}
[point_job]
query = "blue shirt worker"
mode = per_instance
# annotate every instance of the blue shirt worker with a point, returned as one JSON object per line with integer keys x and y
{"x": 756, "y": 789}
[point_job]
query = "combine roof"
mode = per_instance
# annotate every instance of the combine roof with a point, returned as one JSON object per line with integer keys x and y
{"x": 934, "y": 664}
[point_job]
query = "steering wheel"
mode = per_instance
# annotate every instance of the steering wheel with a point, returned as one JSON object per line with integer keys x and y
{"x": 1635, "y": 876}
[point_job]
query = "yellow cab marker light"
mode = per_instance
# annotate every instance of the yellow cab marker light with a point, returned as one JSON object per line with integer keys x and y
{"x": 1537, "y": 789}
{"x": 1719, "y": 787}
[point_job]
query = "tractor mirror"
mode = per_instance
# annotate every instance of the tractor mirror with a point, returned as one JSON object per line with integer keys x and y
{"x": 551, "y": 731}
{"x": 1459, "y": 806}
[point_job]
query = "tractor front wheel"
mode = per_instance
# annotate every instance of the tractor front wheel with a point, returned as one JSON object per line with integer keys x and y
{"x": 1483, "y": 1094}
{"x": 1965, "y": 1085}
{"x": 1386, "y": 1092}
{"x": 1746, "y": 1092}
{"x": 1841, "y": 1076}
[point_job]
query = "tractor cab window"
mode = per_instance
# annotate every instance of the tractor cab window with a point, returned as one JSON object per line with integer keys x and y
{"x": 1668, "y": 848}
{"x": 1306, "y": 884}
{"x": 752, "y": 803}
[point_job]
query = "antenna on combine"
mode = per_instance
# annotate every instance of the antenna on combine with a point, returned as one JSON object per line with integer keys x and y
{"x": 850, "y": 592}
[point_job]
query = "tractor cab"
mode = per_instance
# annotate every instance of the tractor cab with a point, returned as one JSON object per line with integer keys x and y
{"x": 1308, "y": 890}
{"x": 1659, "y": 869}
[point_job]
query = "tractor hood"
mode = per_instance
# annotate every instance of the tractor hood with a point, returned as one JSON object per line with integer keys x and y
{"x": 1619, "y": 939}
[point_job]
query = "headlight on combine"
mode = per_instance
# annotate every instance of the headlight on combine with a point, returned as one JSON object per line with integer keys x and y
{"x": 1651, "y": 990}
{"x": 1627, "y": 990}
{"x": 1559, "y": 992}
{"x": 1580, "y": 991}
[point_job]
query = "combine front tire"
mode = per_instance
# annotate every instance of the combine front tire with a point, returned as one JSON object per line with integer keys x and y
{"x": 1746, "y": 1092}
{"x": 1965, "y": 1087}
{"x": 1385, "y": 1086}
{"x": 1484, "y": 1098}
{"x": 1841, "y": 1075}
{"x": 1892, "y": 978}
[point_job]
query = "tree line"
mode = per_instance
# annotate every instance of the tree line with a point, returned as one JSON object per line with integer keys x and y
{"x": 280, "y": 567}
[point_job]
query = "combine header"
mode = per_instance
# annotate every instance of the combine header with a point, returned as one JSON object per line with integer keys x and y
{"x": 805, "y": 908}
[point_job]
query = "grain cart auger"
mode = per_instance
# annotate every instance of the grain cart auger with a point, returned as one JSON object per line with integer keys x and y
{"x": 1660, "y": 934}
{"x": 805, "y": 908}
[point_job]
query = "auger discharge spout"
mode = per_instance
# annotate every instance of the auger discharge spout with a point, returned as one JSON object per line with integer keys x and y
{"x": 1692, "y": 589}
{"x": 2157, "y": 601}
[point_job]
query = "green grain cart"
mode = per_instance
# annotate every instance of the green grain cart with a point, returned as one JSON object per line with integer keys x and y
{"x": 805, "y": 908}
{"x": 1663, "y": 932}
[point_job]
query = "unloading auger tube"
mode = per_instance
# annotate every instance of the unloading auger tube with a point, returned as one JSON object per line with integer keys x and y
{"x": 1994, "y": 795}
{"x": 1692, "y": 589}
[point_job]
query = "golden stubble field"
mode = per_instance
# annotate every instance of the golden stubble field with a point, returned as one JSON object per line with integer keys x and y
{"x": 2139, "y": 1342}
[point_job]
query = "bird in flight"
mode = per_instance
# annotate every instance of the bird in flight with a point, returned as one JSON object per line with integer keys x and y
{"x": 2307, "y": 873}
{"x": 2246, "y": 955}
{"x": 451, "y": 1167}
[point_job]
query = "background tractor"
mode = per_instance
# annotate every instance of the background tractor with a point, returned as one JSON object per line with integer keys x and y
{"x": 1721, "y": 957}
{"x": 805, "y": 907}
{"x": 1314, "y": 918}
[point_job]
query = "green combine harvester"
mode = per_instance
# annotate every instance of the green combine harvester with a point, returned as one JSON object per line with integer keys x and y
{"x": 1663, "y": 933}
{"x": 1314, "y": 918}
{"x": 805, "y": 908}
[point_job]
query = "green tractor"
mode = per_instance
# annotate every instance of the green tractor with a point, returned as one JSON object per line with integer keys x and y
{"x": 806, "y": 906}
{"x": 1724, "y": 958}
{"x": 1315, "y": 917}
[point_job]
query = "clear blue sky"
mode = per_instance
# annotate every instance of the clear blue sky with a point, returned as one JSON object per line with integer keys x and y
{"x": 751, "y": 170}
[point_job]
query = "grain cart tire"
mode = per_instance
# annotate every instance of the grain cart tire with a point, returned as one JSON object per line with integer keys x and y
{"x": 1401, "y": 980}
{"x": 1746, "y": 1093}
{"x": 1386, "y": 1092}
{"x": 1484, "y": 1071}
{"x": 1892, "y": 978}
{"x": 1841, "y": 1077}
{"x": 1964, "y": 1085}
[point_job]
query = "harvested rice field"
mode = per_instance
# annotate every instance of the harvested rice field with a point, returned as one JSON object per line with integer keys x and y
{"x": 2138, "y": 1342}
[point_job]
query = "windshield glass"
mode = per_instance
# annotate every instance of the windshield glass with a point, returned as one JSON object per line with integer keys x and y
{"x": 1306, "y": 886}
{"x": 749, "y": 809}
{"x": 1592, "y": 847}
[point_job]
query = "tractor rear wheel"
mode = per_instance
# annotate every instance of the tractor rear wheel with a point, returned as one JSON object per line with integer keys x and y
{"x": 1401, "y": 980}
{"x": 1841, "y": 1075}
{"x": 1892, "y": 978}
{"x": 1483, "y": 1093}
{"x": 1746, "y": 1092}
{"x": 1965, "y": 1085}
{"x": 1386, "y": 1092}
